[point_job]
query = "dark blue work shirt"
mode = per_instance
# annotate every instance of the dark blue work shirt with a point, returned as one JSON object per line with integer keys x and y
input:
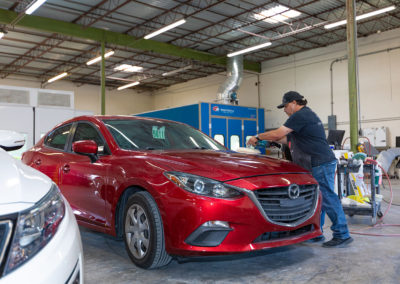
{"x": 309, "y": 134}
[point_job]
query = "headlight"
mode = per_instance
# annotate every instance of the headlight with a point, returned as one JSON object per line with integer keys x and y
{"x": 35, "y": 227}
{"x": 203, "y": 186}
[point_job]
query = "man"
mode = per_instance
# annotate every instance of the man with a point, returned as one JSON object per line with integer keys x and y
{"x": 304, "y": 133}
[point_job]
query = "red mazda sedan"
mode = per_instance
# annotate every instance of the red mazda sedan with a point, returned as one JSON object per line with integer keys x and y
{"x": 169, "y": 190}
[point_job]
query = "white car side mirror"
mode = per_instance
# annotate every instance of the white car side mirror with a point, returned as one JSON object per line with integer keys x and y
{"x": 11, "y": 140}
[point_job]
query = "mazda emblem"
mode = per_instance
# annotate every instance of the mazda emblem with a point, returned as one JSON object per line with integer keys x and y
{"x": 293, "y": 191}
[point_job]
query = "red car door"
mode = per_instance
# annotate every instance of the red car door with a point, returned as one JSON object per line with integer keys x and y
{"x": 84, "y": 182}
{"x": 48, "y": 158}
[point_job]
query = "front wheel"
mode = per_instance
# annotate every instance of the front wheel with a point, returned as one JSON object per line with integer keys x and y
{"x": 144, "y": 232}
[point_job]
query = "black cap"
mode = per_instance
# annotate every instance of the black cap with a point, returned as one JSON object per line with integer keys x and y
{"x": 290, "y": 97}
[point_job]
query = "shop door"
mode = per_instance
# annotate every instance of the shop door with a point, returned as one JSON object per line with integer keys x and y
{"x": 250, "y": 129}
{"x": 235, "y": 138}
{"x": 218, "y": 130}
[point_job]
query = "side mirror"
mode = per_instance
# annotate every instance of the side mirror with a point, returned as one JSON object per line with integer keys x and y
{"x": 86, "y": 148}
{"x": 11, "y": 140}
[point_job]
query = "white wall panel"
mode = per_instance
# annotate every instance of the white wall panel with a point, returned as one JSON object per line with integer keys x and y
{"x": 273, "y": 85}
{"x": 47, "y": 118}
{"x": 340, "y": 92}
{"x": 248, "y": 90}
{"x": 88, "y": 97}
{"x": 205, "y": 90}
{"x": 375, "y": 86}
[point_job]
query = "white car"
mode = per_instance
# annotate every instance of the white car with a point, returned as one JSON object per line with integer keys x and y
{"x": 39, "y": 237}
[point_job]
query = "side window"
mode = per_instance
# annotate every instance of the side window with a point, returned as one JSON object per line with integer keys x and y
{"x": 85, "y": 131}
{"x": 235, "y": 142}
{"x": 248, "y": 138}
{"x": 219, "y": 138}
{"x": 58, "y": 137}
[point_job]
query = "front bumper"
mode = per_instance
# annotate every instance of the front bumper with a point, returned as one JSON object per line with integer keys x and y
{"x": 60, "y": 261}
{"x": 248, "y": 230}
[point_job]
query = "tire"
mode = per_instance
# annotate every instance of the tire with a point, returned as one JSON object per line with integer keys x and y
{"x": 143, "y": 232}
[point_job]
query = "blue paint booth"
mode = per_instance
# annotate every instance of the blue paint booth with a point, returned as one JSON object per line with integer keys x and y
{"x": 228, "y": 124}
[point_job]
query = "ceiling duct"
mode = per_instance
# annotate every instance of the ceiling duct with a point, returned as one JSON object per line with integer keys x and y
{"x": 227, "y": 91}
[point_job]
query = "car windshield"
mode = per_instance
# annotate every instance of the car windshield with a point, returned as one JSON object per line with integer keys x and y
{"x": 158, "y": 135}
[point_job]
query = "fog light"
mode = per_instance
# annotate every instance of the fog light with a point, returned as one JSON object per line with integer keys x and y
{"x": 209, "y": 234}
{"x": 216, "y": 224}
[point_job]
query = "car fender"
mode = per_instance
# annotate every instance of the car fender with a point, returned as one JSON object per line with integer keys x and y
{"x": 121, "y": 195}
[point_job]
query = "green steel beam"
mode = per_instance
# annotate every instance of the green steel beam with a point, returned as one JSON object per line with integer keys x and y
{"x": 99, "y": 35}
{"x": 103, "y": 80}
{"x": 352, "y": 72}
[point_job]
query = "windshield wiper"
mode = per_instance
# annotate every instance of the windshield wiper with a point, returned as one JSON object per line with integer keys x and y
{"x": 200, "y": 148}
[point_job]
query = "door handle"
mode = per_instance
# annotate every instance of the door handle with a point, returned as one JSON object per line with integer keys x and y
{"x": 37, "y": 162}
{"x": 66, "y": 168}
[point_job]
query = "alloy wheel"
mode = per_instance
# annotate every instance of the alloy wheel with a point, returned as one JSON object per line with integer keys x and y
{"x": 137, "y": 230}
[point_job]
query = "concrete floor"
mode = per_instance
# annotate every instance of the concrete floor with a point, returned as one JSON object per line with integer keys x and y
{"x": 369, "y": 259}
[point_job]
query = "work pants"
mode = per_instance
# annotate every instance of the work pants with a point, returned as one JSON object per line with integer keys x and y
{"x": 331, "y": 205}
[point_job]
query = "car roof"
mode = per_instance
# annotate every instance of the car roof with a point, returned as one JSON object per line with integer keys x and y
{"x": 99, "y": 118}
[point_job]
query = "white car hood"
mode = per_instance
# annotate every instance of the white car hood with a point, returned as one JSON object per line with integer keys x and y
{"x": 20, "y": 185}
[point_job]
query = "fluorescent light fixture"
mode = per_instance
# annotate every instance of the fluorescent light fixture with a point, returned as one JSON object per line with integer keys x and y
{"x": 62, "y": 75}
{"x": 128, "y": 68}
{"x": 33, "y": 6}
{"x": 120, "y": 79}
{"x": 166, "y": 28}
{"x": 1, "y": 35}
{"x": 246, "y": 50}
{"x": 363, "y": 16}
{"x": 277, "y": 14}
{"x": 128, "y": 85}
{"x": 98, "y": 58}
{"x": 177, "y": 70}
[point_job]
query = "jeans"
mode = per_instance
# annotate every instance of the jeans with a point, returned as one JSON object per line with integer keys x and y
{"x": 331, "y": 205}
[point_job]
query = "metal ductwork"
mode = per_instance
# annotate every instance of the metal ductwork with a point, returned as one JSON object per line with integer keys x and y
{"x": 227, "y": 91}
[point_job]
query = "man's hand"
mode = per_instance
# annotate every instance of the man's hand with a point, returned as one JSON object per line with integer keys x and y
{"x": 277, "y": 135}
{"x": 253, "y": 141}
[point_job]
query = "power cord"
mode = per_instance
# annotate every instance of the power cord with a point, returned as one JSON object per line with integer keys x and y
{"x": 380, "y": 223}
{"x": 383, "y": 199}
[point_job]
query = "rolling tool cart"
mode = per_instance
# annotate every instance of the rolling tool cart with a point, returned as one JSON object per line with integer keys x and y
{"x": 348, "y": 187}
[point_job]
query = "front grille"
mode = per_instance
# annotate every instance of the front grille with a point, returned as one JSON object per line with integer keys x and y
{"x": 282, "y": 210}
{"x": 275, "y": 236}
{"x": 5, "y": 237}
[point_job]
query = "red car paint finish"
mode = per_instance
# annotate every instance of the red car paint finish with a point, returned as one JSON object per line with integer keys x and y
{"x": 169, "y": 190}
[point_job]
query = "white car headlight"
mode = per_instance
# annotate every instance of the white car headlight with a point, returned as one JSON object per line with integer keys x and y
{"x": 203, "y": 186}
{"x": 35, "y": 227}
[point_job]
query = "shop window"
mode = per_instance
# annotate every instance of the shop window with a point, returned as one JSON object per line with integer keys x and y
{"x": 235, "y": 142}
{"x": 220, "y": 138}
{"x": 248, "y": 138}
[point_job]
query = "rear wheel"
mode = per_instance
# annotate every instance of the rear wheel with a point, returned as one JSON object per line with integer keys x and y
{"x": 143, "y": 232}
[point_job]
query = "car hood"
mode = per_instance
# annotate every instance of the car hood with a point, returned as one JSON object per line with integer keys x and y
{"x": 222, "y": 166}
{"x": 20, "y": 185}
